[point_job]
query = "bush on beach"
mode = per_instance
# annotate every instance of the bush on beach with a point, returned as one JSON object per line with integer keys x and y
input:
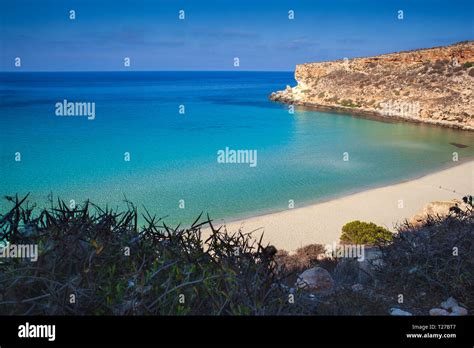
{"x": 358, "y": 232}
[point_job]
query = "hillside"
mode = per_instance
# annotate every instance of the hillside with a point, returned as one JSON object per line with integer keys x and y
{"x": 432, "y": 85}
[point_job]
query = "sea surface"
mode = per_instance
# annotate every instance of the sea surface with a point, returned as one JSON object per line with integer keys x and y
{"x": 173, "y": 156}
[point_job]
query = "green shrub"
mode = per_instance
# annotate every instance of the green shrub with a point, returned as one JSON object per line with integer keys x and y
{"x": 349, "y": 103}
{"x": 359, "y": 232}
{"x": 467, "y": 65}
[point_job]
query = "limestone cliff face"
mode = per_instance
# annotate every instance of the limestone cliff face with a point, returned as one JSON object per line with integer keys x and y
{"x": 434, "y": 85}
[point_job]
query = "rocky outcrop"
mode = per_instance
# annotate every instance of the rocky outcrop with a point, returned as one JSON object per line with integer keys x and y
{"x": 434, "y": 85}
{"x": 437, "y": 209}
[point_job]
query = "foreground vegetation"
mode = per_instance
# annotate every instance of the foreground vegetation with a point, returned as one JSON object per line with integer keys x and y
{"x": 101, "y": 262}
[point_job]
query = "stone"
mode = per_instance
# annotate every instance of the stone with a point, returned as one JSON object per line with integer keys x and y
{"x": 399, "y": 312}
{"x": 438, "y": 312}
{"x": 439, "y": 208}
{"x": 316, "y": 279}
{"x": 458, "y": 310}
{"x": 449, "y": 303}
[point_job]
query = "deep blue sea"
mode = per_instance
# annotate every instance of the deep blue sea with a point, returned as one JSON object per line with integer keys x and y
{"x": 173, "y": 156}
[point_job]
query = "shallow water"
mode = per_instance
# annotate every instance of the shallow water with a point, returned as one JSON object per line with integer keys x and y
{"x": 173, "y": 156}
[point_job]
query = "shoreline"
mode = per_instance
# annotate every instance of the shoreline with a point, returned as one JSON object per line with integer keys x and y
{"x": 268, "y": 211}
{"x": 321, "y": 222}
{"x": 371, "y": 114}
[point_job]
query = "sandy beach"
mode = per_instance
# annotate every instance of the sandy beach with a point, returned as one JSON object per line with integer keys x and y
{"x": 322, "y": 222}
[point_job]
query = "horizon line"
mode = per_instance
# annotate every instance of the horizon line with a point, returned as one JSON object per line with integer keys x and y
{"x": 127, "y": 70}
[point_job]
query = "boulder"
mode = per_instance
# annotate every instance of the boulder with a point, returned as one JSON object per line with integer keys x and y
{"x": 315, "y": 279}
{"x": 399, "y": 312}
{"x": 449, "y": 303}
{"x": 438, "y": 312}
{"x": 458, "y": 310}
{"x": 438, "y": 208}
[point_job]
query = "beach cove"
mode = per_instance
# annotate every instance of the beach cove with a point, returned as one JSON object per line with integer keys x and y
{"x": 322, "y": 222}
{"x": 140, "y": 147}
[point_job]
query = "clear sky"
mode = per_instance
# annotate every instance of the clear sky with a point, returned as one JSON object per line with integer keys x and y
{"x": 258, "y": 32}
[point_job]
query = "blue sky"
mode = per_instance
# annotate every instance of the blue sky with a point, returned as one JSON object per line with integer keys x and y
{"x": 258, "y": 32}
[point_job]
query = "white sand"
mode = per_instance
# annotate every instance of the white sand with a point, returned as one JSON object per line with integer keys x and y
{"x": 322, "y": 222}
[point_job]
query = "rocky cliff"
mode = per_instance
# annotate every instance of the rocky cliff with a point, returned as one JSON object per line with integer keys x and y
{"x": 434, "y": 85}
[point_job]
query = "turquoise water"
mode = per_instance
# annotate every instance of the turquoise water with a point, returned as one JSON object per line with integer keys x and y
{"x": 174, "y": 156}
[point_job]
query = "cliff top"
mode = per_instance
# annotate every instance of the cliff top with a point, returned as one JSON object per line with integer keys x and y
{"x": 463, "y": 51}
